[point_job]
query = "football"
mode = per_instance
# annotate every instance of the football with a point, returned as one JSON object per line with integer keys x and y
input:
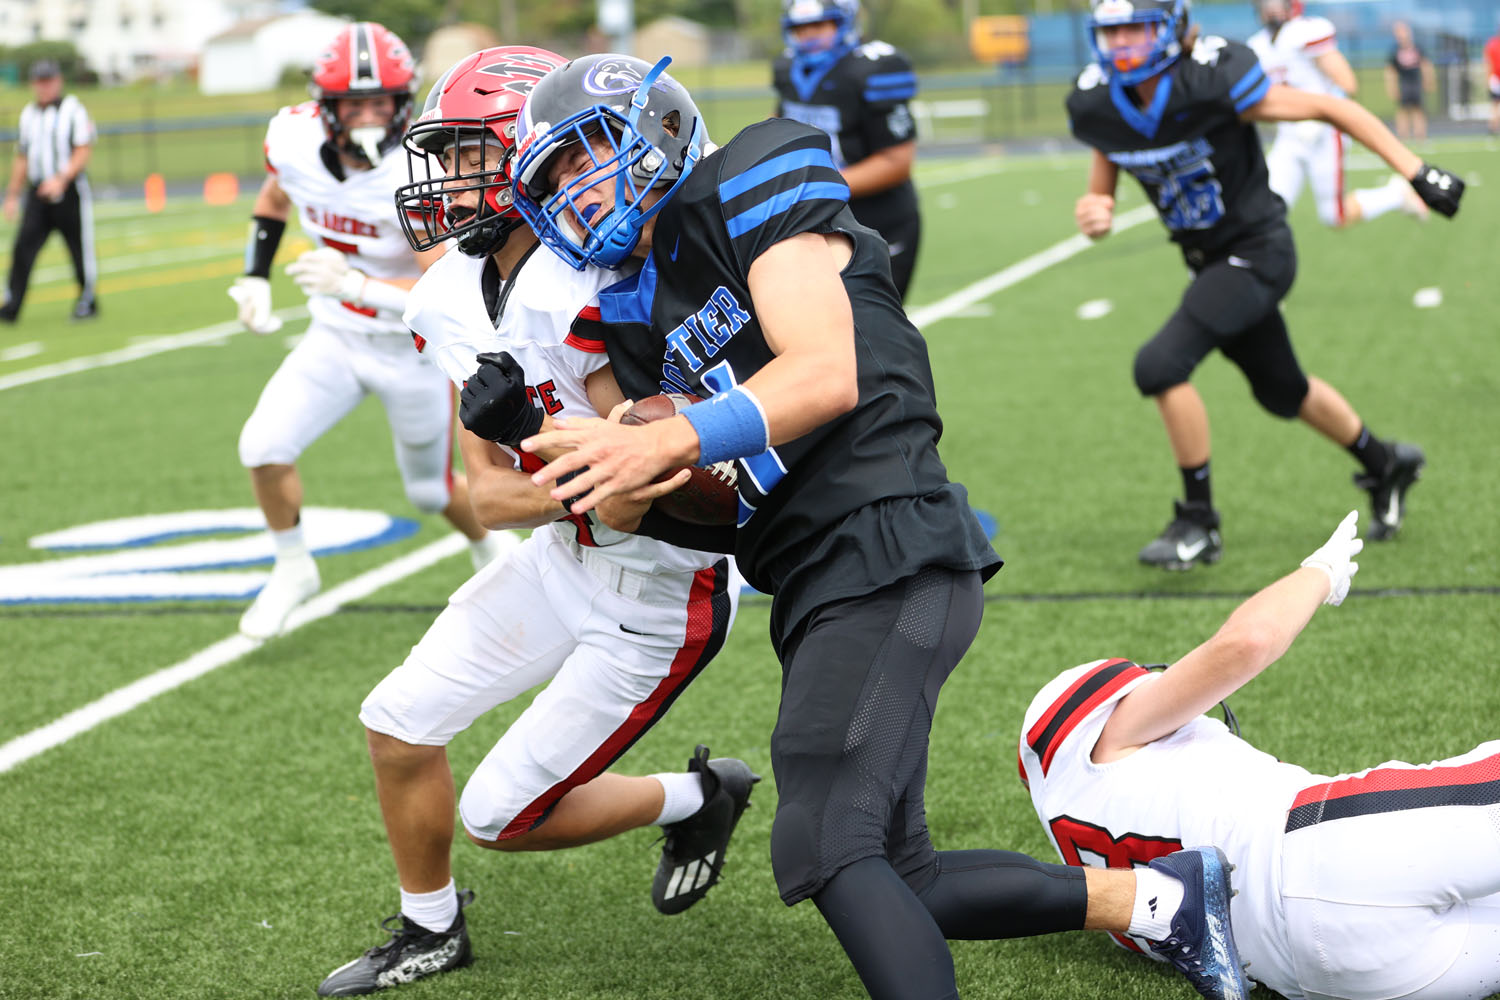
{"x": 709, "y": 496}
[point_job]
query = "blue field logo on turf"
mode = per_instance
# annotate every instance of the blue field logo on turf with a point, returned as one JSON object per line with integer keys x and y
{"x": 184, "y": 556}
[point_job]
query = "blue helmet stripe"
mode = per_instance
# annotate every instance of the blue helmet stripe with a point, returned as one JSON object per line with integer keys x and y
{"x": 774, "y": 167}
{"x": 776, "y": 204}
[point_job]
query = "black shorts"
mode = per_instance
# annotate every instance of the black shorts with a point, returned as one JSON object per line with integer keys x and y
{"x": 1233, "y": 304}
{"x": 860, "y": 681}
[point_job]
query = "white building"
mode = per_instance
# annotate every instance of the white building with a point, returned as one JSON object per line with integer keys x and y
{"x": 252, "y": 55}
{"x": 126, "y": 39}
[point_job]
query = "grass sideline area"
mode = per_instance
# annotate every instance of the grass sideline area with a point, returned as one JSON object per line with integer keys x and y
{"x": 223, "y": 839}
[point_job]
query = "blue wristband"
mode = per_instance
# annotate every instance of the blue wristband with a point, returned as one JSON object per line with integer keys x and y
{"x": 730, "y": 425}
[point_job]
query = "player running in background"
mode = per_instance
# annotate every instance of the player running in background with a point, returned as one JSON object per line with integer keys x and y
{"x": 1301, "y": 51}
{"x": 1179, "y": 115}
{"x": 335, "y": 161}
{"x": 1375, "y": 885}
{"x": 1492, "y": 65}
{"x": 758, "y": 288}
{"x": 615, "y": 625}
{"x": 858, "y": 93}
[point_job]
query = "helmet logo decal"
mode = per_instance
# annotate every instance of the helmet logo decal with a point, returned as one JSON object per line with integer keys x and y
{"x": 520, "y": 73}
{"x": 612, "y": 76}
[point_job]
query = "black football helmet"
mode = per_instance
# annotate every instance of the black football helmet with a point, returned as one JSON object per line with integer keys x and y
{"x": 653, "y": 134}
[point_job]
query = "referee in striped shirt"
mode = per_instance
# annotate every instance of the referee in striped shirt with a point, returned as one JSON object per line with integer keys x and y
{"x": 56, "y": 138}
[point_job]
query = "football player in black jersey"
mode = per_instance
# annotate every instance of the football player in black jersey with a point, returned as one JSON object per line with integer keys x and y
{"x": 858, "y": 94}
{"x": 759, "y": 290}
{"x": 1178, "y": 113}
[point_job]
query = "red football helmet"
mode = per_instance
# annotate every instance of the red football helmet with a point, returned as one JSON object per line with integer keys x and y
{"x": 364, "y": 60}
{"x": 472, "y": 107}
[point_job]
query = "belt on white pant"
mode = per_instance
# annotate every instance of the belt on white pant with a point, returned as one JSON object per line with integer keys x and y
{"x": 632, "y": 584}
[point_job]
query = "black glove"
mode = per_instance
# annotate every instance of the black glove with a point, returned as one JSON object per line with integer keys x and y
{"x": 1438, "y": 188}
{"x": 494, "y": 403}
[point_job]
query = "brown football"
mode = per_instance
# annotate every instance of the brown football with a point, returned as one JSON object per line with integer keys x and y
{"x": 709, "y": 496}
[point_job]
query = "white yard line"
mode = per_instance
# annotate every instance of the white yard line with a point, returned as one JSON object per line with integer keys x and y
{"x": 925, "y": 316}
{"x": 135, "y": 352}
{"x": 225, "y": 651}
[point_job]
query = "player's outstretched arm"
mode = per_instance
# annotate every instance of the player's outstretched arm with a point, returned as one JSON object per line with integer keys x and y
{"x": 1254, "y": 637}
{"x": 1438, "y": 188}
{"x": 503, "y": 496}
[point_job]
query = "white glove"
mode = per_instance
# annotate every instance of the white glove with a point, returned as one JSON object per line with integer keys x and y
{"x": 325, "y": 271}
{"x": 1336, "y": 558}
{"x": 253, "y": 296}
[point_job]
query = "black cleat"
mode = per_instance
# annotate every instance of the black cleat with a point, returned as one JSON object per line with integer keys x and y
{"x": 1388, "y": 490}
{"x": 693, "y": 855}
{"x": 1191, "y": 537}
{"x": 412, "y": 953}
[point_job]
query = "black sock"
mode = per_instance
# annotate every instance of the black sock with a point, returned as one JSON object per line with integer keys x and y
{"x": 1370, "y": 451}
{"x": 988, "y": 895}
{"x": 891, "y": 939}
{"x": 1196, "y": 486}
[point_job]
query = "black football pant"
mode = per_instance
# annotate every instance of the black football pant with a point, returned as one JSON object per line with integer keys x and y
{"x": 860, "y": 681}
{"x": 73, "y": 217}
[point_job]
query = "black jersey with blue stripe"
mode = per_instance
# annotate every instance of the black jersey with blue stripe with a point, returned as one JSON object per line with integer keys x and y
{"x": 862, "y": 100}
{"x": 859, "y": 502}
{"x": 1201, "y": 166}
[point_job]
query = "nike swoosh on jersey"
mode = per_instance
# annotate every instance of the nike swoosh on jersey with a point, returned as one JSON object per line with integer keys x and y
{"x": 1239, "y": 262}
{"x": 673, "y": 255}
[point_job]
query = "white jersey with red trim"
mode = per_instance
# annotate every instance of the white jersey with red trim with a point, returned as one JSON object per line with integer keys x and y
{"x": 1290, "y": 56}
{"x": 447, "y": 313}
{"x": 1223, "y": 792}
{"x": 356, "y": 215}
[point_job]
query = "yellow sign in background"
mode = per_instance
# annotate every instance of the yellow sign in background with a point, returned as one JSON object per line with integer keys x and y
{"x": 1000, "y": 38}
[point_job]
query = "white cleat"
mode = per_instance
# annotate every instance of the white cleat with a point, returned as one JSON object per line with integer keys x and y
{"x": 1411, "y": 203}
{"x": 292, "y": 582}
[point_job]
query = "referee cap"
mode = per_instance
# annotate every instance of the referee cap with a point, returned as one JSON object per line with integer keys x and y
{"x": 45, "y": 69}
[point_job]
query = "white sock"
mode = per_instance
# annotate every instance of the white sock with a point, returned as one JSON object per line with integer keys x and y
{"x": 482, "y": 550}
{"x": 290, "y": 545}
{"x": 435, "y": 911}
{"x": 1157, "y": 899}
{"x": 682, "y": 796}
{"x": 1375, "y": 202}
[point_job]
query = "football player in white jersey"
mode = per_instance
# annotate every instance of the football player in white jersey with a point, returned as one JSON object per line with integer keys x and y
{"x": 615, "y": 625}
{"x": 1302, "y": 51}
{"x": 336, "y": 161}
{"x": 1373, "y": 886}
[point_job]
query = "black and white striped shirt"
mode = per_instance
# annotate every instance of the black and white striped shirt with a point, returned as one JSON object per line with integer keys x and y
{"x": 49, "y": 135}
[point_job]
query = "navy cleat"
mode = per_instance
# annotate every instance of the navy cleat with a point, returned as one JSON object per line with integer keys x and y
{"x": 1388, "y": 490}
{"x": 693, "y": 856}
{"x": 1201, "y": 945}
{"x": 412, "y": 953}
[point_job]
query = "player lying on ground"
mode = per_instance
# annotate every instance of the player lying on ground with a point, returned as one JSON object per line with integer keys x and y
{"x": 335, "y": 161}
{"x": 758, "y": 288}
{"x": 616, "y": 626}
{"x": 1370, "y": 886}
{"x": 1178, "y": 113}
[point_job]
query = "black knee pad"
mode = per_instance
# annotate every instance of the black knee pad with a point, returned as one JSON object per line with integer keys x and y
{"x": 1282, "y": 395}
{"x": 1157, "y": 369}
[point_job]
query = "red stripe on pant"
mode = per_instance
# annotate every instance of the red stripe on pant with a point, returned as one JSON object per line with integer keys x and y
{"x": 1402, "y": 778}
{"x": 685, "y": 665}
{"x": 1338, "y": 166}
